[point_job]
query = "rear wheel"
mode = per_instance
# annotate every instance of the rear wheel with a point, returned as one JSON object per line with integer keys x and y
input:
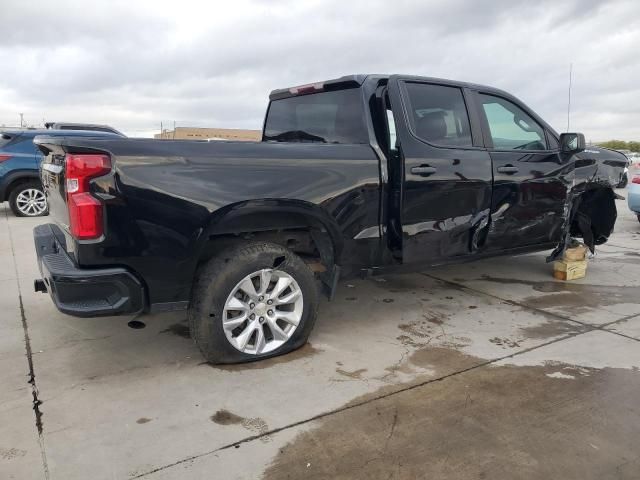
{"x": 28, "y": 200}
{"x": 253, "y": 301}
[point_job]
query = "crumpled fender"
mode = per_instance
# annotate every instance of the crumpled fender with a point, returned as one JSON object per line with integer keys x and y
{"x": 590, "y": 209}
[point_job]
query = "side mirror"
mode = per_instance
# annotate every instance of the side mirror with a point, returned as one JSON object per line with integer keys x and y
{"x": 572, "y": 143}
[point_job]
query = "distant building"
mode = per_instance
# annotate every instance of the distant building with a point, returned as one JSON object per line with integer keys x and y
{"x": 192, "y": 133}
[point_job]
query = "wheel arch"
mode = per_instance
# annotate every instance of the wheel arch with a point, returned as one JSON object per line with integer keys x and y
{"x": 595, "y": 215}
{"x": 304, "y": 228}
{"x": 14, "y": 179}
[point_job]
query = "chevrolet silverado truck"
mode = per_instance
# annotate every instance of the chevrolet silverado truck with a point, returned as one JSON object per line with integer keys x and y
{"x": 359, "y": 175}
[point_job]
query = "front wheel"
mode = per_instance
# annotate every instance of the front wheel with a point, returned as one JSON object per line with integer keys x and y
{"x": 253, "y": 301}
{"x": 28, "y": 200}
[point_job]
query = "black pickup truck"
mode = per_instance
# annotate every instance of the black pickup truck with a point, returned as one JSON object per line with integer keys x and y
{"x": 361, "y": 174}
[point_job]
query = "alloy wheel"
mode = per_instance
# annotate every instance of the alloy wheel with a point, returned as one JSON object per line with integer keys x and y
{"x": 31, "y": 202}
{"x": 262, "y": 311}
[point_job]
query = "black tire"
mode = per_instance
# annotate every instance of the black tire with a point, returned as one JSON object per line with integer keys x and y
{"x": 215, "y": 282}
{"x": 639, "y": 217}
{"x": 13, "y": 198}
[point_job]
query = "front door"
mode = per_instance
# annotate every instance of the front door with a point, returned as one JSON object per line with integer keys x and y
{"x": 446, "y": 196}
{"x": 531, "y": 180}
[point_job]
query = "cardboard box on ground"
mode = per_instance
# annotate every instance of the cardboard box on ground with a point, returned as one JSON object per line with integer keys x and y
{"x": 573, "y": 264}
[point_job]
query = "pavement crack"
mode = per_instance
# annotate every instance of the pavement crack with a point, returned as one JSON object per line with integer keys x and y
{"x": 557, "y": 316}
{"x": 396, "y": 366}
{"x": 392, "y": 430}
{"x": 36, "y": 402}
{"x": 515, "y": 303}
{"x": 31, "y": 375}
{"x": 605, "y": 326}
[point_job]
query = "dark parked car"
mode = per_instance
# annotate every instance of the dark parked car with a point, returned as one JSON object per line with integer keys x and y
{"x": 19, "y": 162}
{"x": 362, "y": 174}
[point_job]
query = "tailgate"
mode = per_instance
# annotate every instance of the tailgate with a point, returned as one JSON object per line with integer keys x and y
{"x": 86, "y": 209}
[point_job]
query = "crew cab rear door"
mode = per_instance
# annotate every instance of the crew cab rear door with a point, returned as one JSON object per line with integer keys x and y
{"x": 531, "y": 178}
{"x": 446, "y": 195}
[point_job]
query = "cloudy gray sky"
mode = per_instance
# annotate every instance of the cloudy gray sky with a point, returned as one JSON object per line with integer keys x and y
{"x": 134, "y": 64}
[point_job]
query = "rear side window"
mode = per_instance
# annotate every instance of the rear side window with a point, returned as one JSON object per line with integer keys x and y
{"x": 84, "y": 128}
{"x": 5, "y": 139}
{"x": 18, "y": 143}
{"x": 438, "y": 115}
{"x": 327, "y": 117}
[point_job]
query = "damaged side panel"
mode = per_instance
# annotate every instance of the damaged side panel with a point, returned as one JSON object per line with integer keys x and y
{"x": 550, "y": 201}
{"x": 474, "y": 194}
{"x": 528, "y": 207}
{"x": 590, "y": 210}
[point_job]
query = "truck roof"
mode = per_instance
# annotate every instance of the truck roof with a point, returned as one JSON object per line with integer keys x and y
{"x": 356, "y": 80}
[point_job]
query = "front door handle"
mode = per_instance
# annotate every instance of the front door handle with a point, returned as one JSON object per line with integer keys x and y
{"x": 508, "y": 169}
{"x": 423, "y": 170}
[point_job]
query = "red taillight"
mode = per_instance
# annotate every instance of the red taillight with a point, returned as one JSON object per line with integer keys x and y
{"x": 85, "y": 216}
{"x": 635, "y": 179}
{"x": 85, "y": 210}
{"x": 4, "y": 158}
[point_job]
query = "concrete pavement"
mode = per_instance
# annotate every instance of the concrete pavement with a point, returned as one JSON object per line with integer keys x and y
{"x": 483, "y": 370}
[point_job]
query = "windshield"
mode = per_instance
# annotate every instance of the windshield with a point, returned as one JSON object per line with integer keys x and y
{"x": 327, "y": 117}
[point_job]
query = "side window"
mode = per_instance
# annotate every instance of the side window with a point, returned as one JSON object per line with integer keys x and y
{"x": 511, "y": 127}
{"x": 22, "y": 143}
{"x": 325, "y": 117}
{"x": 438, "y": 115}
{"x": 5, "y": 139}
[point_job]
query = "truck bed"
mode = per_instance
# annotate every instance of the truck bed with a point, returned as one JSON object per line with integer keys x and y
{"x": 164, "y": 197}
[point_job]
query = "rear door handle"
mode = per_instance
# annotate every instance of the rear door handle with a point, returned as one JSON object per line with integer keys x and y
{"x": 423, "y": 170}
{"x": 509, "y": 169}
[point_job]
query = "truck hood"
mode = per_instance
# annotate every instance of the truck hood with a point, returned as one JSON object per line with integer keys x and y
{"x": 601, "y": 166}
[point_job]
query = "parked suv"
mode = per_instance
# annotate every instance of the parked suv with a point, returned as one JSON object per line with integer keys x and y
{"x": 92, "y": 127}
{"x": 19, "y": 161}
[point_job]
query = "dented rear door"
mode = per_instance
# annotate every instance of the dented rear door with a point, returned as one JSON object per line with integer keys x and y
{"x": 447, "y": 171}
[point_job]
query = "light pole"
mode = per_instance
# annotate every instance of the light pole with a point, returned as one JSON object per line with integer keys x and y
{"x": 569, "y": 102}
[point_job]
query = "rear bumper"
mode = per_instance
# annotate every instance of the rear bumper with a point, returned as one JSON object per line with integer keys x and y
{"x": 85, "y": 292}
